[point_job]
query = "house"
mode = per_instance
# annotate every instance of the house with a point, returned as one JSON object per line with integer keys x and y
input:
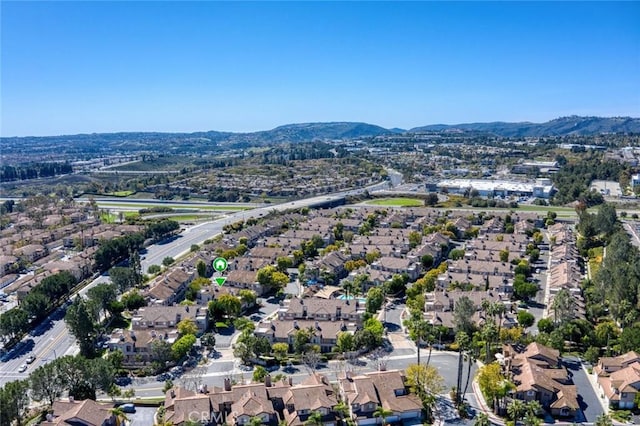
{"x": 168, "y": 317}
{"x": 278, "y": 402}
{"x": 75, "y": 413}
{"x": 8, "y": 264}
{"x": 324, "y": 334}
{"x": 245, "y": 279}
{"x": 136, "y": 345}
{"x": 31, "y": 252}
{"x": 398, "y": 266}
{"x": 314, "y": 394}
{"x": 319, "y": 309}
{"x": 537, "y": 374}
{"x": 619, "y": 379}
{"x": 363, "y": 394}
{"x": 169, "y": 288}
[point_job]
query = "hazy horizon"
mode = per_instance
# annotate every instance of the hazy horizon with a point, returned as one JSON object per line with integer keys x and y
{"x": 104, "y": 67}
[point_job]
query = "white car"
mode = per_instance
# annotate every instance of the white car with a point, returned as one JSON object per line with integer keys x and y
{"x": 22, "y": 368}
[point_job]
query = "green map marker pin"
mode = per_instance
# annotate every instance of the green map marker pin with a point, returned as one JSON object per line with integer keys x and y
{"x": 220, "y": 264}
{"x": 220, "y": 280}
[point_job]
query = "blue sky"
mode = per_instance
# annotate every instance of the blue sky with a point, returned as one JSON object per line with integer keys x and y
{"x": 82, "y": 67}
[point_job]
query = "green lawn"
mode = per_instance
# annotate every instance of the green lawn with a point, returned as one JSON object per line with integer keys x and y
{"x": 136, "y": 206}
{"x": 397, "y": 202}
{"x": 120, "y": 193}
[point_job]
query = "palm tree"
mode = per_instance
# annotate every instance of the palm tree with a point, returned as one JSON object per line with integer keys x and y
{"x": 314, "y": 419}
{"x": 531, "y": 420}
{"x": 343, "y": 410}
{"x": 603, "y": 420}
{"x": 255, "y": 421}
{"x": 516, "y": 409}
{"x": 383, "y": 413}
{"x": 463, "y": 341}
{"x": 482, "y": 419}
{"x": 533, "y": 407}
{"x": 119, "y": 416}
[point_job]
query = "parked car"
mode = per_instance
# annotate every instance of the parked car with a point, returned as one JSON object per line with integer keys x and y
{"x": 128, "y": 408}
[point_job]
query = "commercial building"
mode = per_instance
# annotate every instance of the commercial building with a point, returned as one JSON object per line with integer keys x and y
{"x": 541, "y": 188}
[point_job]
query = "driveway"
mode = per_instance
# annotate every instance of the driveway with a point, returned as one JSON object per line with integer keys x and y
{"x": 142, "y": 417}
{"x": 590, "y": 404}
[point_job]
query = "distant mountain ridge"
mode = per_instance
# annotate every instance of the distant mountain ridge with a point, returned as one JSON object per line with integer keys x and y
{"x": 304, "y": 132}
{"x": 563, "y": 126}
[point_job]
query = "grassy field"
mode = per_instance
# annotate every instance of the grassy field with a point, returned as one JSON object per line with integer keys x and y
{"x": 107, "y": 204}
{"x": 120, "y": 193}
{"x": 397, "y": 202}
{"x": 108, "y": 217}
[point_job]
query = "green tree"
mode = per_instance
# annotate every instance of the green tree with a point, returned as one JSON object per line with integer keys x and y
{"x": 14, "y": 402}
{"x": 525, "y": 319}
{"x": 603, "y": 420}
{"x": 187, "y": 326}
{"x": 14, "y": 322}
{"x": 301, "y": 340}
{"x": 563, "y": 306}
{"x": 482, "y": 419}
{"x": 463, "y": 315}
{"x": 168, "y": 261}
{"x": 375, "y": 299}
{"x": 123, "y": 278}
{"x": 80, "y": 319}
{"x": 314, "y": 419}
{"x": 103, "y": 295}
{"x": 133, "y": 300}
{"x": 516, "y": 409}
{"x": 230, "y": 305}
{"x": 259, "y": 373}
{"x": 208, "y": 340}
{"x": 45, "y": 383}
{"x": 271, "y": 279}
{"x": 201, "y": 267}
{"x": 284, "y": 263}
{"x": 382, "y": 413}
{"x": 36, "y": 304}
{"x": 345, "y": 342}
{"x": 280, "y": 350}
{"x": 155, "y": 269}
{"x": 545, "y": 325}
{"x": 160, "y": 352}
{"x": 182, "y": 346}
{"x": 119, "y": 416}
{"x": 248, "y": 297}
{"x": 492, "y": 382}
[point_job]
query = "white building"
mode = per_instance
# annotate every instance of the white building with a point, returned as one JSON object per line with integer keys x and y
{"x": 541, "y": 188}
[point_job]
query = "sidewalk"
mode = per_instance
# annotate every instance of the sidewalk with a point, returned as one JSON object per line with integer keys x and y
{"x": 483, "y": 404}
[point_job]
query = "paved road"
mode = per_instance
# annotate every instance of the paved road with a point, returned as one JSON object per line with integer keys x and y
{"x": 49, "y": 340}
{"x": 633, "y": 229}
{"x": 590, "y": 405}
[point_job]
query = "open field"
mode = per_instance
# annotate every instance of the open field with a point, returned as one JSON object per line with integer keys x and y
{"x": 397, "y": 202}
{"x": 136, "y": 206}
{"x": 120, "y": 193}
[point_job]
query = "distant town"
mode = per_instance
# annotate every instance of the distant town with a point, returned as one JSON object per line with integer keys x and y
{"x": 411, "y": 277}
